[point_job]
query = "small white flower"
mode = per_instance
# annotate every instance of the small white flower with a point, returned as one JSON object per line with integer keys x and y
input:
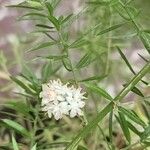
{"x": 59, "y": 100}
{"x": 75, "y": 108}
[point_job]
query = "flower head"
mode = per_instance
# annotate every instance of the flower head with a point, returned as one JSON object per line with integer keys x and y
{"x": 59, "y": 99}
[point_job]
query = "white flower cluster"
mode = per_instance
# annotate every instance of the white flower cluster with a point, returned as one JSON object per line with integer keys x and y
{"x": 59, "y": 100}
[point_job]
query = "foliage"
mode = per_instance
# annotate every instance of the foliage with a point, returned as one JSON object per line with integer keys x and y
{"x": 86, "y": 59}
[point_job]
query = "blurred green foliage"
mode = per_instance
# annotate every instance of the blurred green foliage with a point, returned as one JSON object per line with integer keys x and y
{"x": 80, "y": 47}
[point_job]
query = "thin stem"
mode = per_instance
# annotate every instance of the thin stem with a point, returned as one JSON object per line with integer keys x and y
{"x": 34, "y": 129}
{"x": 111, "y": 129}
{"x": 133, "y": 82}
{"x": 139, "y": 29}
{"x": 109, "y": 107}
{"x": 63, "y": 43}
{"x": 72, "y": 68}
{"x": 90, "y": 126}
{"x": 135, "y": 24}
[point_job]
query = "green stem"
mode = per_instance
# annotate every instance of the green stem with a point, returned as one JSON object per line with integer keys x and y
{"x": 72, "y": 68}
{"x": 139, "y": 29}
{"x": 109, "y": 107}
{"x": 63, "y": 43}
{"x": 133, "y": 82}
{"x": 89, "y": 127}
{"x": 34, "y": 129}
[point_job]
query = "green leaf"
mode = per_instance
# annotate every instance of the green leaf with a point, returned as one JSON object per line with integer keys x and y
{"x": 44, "y": 26}
{"x": 136, "y": 91}
{"x": 41, "y": 46}
{"x": 66, "y": 19}
{"x": 29, "y": 75}
{"x": 27, "y": 87}
{"x": 50, "y": 8}
{"x": 59, "y": 57}
{"x": 143, "y": 58}
{"x": 49, "y": 36}
{"x": 32, "y": 14}
{"x": 43, "y": 31}
{"x": 98, "y": 90}
{"x": 15, "y": 145}
{"x": 48, "y": 70}
{"x": 55, "y": 22}
{"x": 15, "y": 126}
{"x": 146, "y": 31}
{"x": 55, "y": 3}
{"x": 93, "y": 78}
{"x": 146, "y": 110}
{"x": 66, "y": 64}
{"x": 23, "y": 85}
{"x": 25, "y": 7}
{"x": 113, "y": 3}
{"x": 133, "y": 82}
{"x": 121, "y": 11}
{"x": 78, "y": 43}
{"x": 19, "y": 106}
{"x": 142, "y": 35}
{"x": 131, "y": 69}
{"x": 81, "y": 41}
{"x": 145, "y": 40}
{"x": 125, "y": 59}
{"x": 146, "y": 133}
{"x": 124, "y": 126}
{"x": 84, "y": 61}
{"x": 91, "y": 125}
{"x": 133, "y": 11}
{"x": 110, "y": 28}
{"x": 34, "y": 147}
{"x": 132, "y": 128}
{"x": 34, "y": 4}
{"x": 60, "y": 19}
{"x": 132, "y": 116}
